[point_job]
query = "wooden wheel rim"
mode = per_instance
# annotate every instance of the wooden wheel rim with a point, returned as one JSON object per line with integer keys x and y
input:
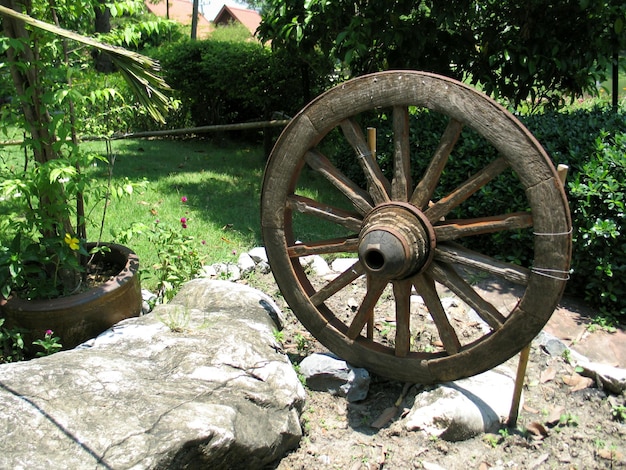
{"x": 550, "y": 221}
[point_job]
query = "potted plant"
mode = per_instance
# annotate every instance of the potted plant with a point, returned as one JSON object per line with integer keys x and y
{"x": 52, "y": 277}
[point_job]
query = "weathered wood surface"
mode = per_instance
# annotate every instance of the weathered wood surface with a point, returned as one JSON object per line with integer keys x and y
{"x": 548, "y": 215}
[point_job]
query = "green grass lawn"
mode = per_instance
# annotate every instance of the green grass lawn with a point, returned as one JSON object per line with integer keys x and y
{"x": 221, "y": 186}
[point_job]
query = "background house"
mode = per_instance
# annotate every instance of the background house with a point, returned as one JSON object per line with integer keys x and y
{"x": 249, "y": 18}
{"x": 181, "y": 11}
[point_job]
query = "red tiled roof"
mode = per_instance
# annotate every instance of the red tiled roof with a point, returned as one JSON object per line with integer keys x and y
{"x": 249, "y": 18}
{"x": 181, "y": 11}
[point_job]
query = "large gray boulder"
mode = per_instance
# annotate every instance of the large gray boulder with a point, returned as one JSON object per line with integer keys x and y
{"x": 198, "y": 383}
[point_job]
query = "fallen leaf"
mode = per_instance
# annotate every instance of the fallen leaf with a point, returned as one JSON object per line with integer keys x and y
{"x": 609, "y": 454}
{"x": 577, "y": 382}
{"x": 555, "y": 415}
{"x": 387, "y": 415}
{"x": 537, "y": 429}
{"x": 530, "y": 409}
{"x": 586, "y": 382}
{"x": 547, "y": 375}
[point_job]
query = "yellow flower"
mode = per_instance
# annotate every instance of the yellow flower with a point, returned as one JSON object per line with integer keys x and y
{"x": 72, "y": 242}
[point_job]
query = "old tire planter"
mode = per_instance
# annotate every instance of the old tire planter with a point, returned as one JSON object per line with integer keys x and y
{"x": 78, "y": 318}
{"x": 404, "y": 231}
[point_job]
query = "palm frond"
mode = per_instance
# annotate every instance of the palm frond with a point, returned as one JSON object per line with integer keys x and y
{"x": 140, "y": 72}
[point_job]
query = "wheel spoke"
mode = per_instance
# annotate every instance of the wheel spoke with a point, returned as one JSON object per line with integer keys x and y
{"x": 304, "y": 205}
{"x": 446, "y": 275}
{"x": 457, "y": 254}
{"x": 375, "y": 288}
{"x": 454, "y": 229}
{"x": 425, "y": 286}
{"x": 402, "y": 295}
{"x": 377, "y": 184}
{"x": 469, "y": 187}
{"x": 401, "y": 183}
{"x": 336, "y": 245}
{"x": 360, "y": 199}
{"x": 334, "y": 286}
{"x": 426, "y": 187}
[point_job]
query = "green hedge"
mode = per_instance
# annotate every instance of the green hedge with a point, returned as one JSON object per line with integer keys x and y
{"x": 224, "y": 82}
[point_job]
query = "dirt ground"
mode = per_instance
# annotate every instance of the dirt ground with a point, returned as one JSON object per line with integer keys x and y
{"x": 565, "y": 420}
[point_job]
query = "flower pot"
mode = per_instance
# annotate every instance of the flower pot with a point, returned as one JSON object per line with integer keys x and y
{"x": 77, "y": 318}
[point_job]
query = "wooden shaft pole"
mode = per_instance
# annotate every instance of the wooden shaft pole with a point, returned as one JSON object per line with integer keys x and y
{"x": 519, "y": 384}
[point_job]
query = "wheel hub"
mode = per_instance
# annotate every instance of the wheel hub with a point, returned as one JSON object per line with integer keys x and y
{"x": 397, "y": 241}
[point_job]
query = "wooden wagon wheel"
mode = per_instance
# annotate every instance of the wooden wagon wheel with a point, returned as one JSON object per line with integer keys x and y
{"x": 400, "y": 232}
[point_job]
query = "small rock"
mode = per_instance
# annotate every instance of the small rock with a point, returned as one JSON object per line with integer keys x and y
{"x": 227, "y": 271}
{"x": 149, "y": 299}
{"x": 245, "y": 263}
{"x": 207, "y": 271}
{"x": 325, "y": 372}
{"x": 431, "y": 466}
{"x": 264, "y": 267}
{"x": 340, "y": 265}
{"x": 316, "y": 264}
{"x": 258, "y": 254}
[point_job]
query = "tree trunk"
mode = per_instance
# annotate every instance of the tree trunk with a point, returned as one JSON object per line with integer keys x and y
{"x": 25, "y": 80}
{"x": 194, "y": 20}
{"x": 104, "y": 64}
{"x": 36, "y": 116}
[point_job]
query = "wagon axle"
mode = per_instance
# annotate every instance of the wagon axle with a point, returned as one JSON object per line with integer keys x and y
{"x": 397, "y": 241}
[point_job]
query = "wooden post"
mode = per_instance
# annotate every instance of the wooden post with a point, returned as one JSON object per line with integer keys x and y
{"x": 562, "y": 172}
{"x": 525, "y": 353}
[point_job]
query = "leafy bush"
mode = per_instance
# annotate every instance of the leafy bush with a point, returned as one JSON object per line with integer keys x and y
{"x": 597, "y": 195}
{"x": 224, "y": 82}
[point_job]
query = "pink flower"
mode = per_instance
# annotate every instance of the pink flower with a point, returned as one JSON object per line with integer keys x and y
{"x": 49, "y": 333}
{"x": 183, "y": 199}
